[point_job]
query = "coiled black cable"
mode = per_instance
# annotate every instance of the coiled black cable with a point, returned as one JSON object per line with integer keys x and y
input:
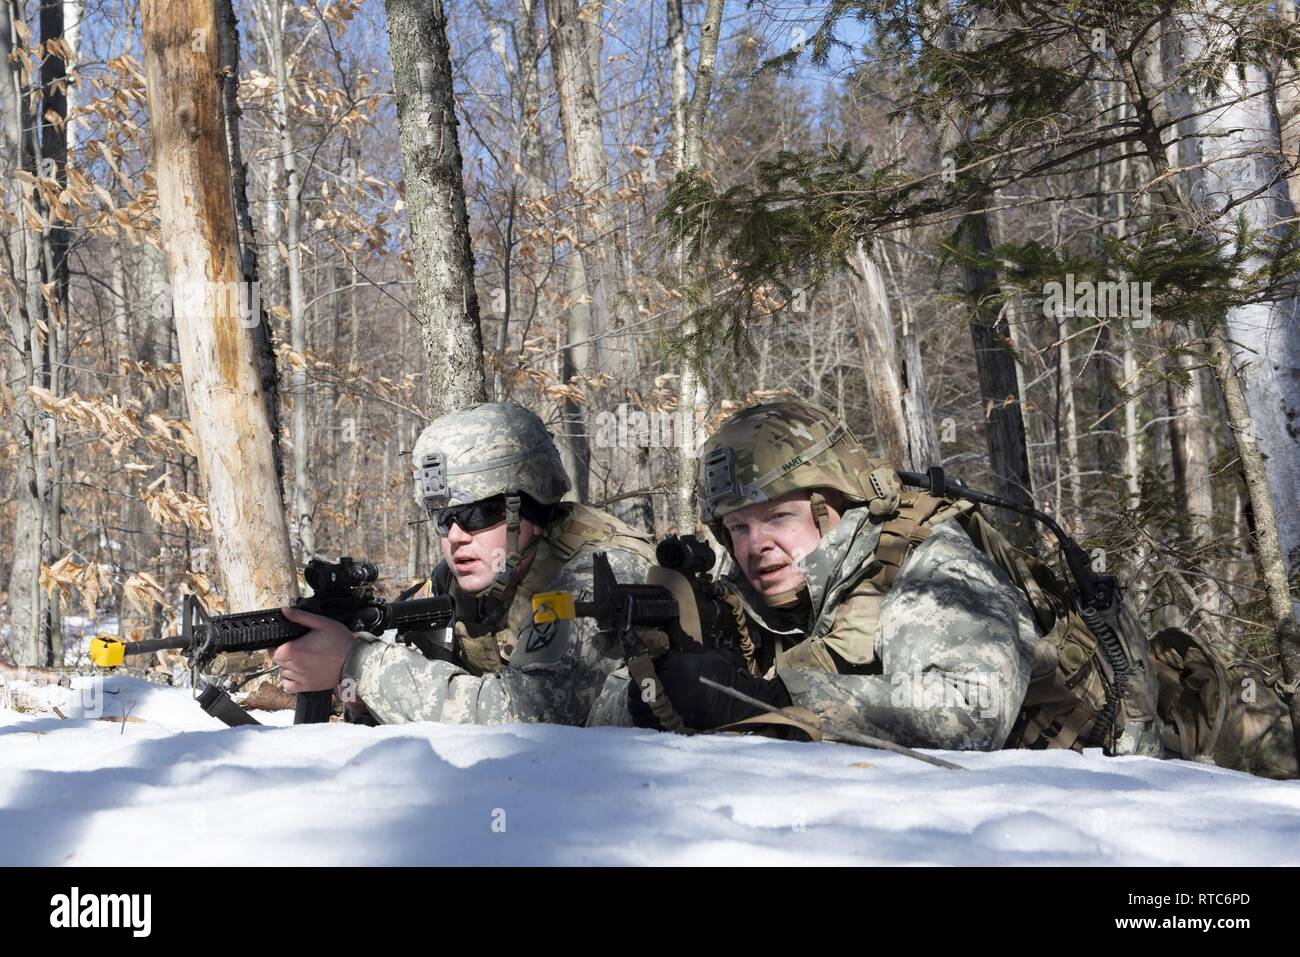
{"x": 1113, "y": 649}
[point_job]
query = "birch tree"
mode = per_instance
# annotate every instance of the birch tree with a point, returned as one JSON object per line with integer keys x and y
{"x": 688, "y": 147}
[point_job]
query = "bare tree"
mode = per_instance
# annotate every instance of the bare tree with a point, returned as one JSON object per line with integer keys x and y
{"x": 217, "y": 354}
{"x": 688, "y": 146}
{"x": 575, "y": 58}
{"x": 435, "y": 198}
{"x": 25, "y": 315}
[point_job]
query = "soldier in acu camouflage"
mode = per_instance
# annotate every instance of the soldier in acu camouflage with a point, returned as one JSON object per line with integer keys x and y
{"x": 941, "y": 659}
{"x": 491, "y": 478}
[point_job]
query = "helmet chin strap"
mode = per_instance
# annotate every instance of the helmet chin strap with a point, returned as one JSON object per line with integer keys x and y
{"x": 821, "y": 513}
{"x": 784, "y": 599}
{"x": 505, "y": 577}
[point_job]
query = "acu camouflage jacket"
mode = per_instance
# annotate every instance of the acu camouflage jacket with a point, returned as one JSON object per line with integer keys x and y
{"x": 508, "y": 668}
{"x": 942, "y": 659}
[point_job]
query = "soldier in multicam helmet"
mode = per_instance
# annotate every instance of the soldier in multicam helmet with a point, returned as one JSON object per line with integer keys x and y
{"x": 940, "y": 659}
{"x": 491, "y": 478}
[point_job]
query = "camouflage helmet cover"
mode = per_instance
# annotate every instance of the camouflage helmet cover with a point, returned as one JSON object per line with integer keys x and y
{"x": 489, "y": 449}
{"x": 768, "y": 450}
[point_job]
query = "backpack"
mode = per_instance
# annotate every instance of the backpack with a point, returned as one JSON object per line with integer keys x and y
{"x": 1231, "y": 711}
{"x": 1066, "y": 703}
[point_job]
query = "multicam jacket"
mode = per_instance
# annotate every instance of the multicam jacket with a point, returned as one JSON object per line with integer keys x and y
{"x": 509, "y": 669}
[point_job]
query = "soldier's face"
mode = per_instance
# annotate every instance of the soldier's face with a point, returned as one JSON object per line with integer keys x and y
{"x": 476, "y": 557}
{"x": 769, "y": 537}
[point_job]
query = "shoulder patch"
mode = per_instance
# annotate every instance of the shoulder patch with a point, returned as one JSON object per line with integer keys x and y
{"x": 540, "y": 637}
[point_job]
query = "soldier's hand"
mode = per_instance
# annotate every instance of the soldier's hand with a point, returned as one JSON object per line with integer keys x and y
{"x": 315, "y": 661}
{"x": 701, "y": 707}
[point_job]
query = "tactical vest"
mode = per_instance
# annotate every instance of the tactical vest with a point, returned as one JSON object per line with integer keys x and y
{"x": 1067, "y": 689}
{"x": 485, "y": 630}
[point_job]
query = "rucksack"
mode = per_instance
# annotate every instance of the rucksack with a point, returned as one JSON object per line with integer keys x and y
{"x": 1066, "y": 703}
{"x": 1228, "y": 710}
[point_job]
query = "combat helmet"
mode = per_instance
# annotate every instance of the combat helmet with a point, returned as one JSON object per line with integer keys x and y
{"x": 485, "y": 450}
{"x": 768, "y": 450}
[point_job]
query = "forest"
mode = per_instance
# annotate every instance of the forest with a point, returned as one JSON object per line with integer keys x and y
{"x": 252, "y": 247}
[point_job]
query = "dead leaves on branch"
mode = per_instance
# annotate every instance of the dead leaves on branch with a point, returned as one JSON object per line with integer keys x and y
{"x": 166, "y": 375}
{"x": 578, "y": 389}
{"x": 143, "y": 593}
{"x": 353, "y": 380}
{"x": 89, "y": 581}
{"x": 116, "y": 424}
{"x": 169, "y": 506}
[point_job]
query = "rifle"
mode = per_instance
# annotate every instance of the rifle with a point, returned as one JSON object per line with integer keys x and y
{"x": 343, "y": 591}
{"x": 693, "y": 558}
{"x": 618, "y": 609}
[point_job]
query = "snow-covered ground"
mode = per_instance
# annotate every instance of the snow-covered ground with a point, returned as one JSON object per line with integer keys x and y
{"x": 78, "y": 630}
{"x": 177, "y": 787}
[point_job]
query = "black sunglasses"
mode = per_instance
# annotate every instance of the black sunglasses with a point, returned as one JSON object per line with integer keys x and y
{"x": 472, "y": 517}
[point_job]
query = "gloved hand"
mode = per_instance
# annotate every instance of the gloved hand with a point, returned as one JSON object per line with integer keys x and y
{"x": 701, "y": 707}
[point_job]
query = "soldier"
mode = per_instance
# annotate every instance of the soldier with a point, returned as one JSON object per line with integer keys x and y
{"x": 886, "y": 620}
{"x": 491, "y": 478}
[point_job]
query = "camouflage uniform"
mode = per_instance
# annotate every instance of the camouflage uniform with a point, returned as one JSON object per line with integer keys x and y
{"x": 507, "y": 669}
{"x": 941, "y": 659}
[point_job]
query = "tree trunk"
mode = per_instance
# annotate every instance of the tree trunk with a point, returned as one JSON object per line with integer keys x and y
{"x": 918, "y": 416}
{"x": 54, "y": 251}
{"x": 688, "y": 147}
{"x": 1240, "y": 147}
{"x": 228, "y": 51}
{"x": 574, "y": 57}
{"x": 1190, "y": 443}
{"x": 435, "y": 200}
{"x": 26, "y": 606}
{"x": 304, "y": 535}
{"x": 217, "y": 354}
{"x": 874, "y": 324}
{"x": 677, "y": 55}
{"x": 1000, "y": 398}
{"x": 1070, "y": 419}
{"x": 1288, "y": 105}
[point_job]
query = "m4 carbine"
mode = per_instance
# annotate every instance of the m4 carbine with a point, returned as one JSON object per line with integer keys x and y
{"x": 343, "y": 591}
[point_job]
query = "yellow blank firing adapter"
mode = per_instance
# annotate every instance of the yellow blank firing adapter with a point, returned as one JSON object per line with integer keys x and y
{"x": 107, "y": 652}
{"x": 552, "y": 606}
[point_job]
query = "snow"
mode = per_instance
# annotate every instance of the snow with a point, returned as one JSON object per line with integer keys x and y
{"x": 178, "y": 787}
{"x": 78, "y": 631}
